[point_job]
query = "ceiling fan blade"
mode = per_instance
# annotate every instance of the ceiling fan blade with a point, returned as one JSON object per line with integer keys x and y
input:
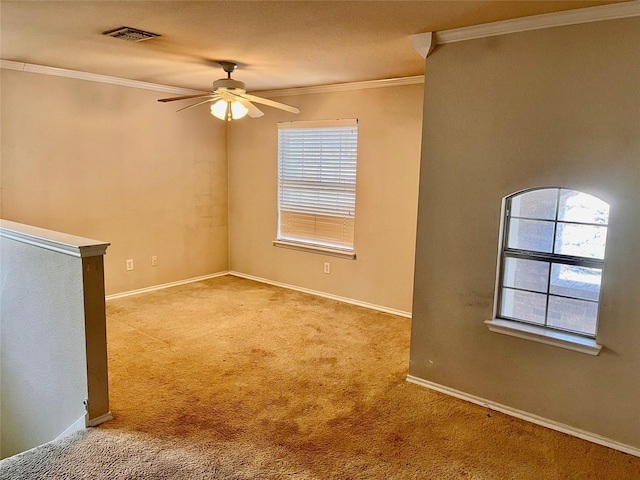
{"x": 271, "y": 103}
{"x": 212, "y": 98}
{"x": 184, "y": 97}
{"x": 254, "y": 112}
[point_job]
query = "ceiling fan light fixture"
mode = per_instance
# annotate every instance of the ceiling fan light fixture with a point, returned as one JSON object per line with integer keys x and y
{"x": 238, "y": 110}
{"x": 232, "y": 102}
{"x": 219, "y": 109}
{"x": 228, "y": 110}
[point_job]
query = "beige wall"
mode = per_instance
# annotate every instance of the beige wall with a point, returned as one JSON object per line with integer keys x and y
{"x": 387, "y": 182}
{"x": 107, "y": 161}
{"x": 556, "y": 107}
{"x": 110, "y": 162}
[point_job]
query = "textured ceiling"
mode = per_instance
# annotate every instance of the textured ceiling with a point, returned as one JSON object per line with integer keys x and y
{"x": 277, "y": 44}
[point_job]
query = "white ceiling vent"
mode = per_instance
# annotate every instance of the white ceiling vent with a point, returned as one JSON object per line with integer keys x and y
{"x": 131, "y": 34}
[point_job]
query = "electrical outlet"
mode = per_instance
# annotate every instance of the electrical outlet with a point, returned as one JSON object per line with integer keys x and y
{"x": 327, "y": 267}
{"x": 129, "y": 264}
{"x": 154, "y": 261}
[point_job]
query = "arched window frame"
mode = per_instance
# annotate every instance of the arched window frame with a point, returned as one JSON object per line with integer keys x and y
{"x": 546, "y": 331}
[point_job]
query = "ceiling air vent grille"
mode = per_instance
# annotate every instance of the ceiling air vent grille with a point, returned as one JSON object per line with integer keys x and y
{"x": 131, "y": 34}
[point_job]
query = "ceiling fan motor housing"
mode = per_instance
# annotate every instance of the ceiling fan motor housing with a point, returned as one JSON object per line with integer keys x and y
{"x": 229, "y": 84}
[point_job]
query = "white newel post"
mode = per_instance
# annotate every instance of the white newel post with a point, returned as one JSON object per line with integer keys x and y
{"x": 53, "y": 350}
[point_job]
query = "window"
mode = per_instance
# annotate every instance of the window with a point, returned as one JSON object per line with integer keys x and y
{"x": 552, "y": 254}
{"x": 317, "y": 185}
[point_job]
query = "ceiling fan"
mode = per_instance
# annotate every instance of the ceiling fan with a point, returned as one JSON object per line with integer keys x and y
{"x": 231, "y": 100}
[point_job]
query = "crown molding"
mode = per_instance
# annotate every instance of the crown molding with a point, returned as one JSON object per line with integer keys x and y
{"x": 124, "y": 82}
{"x": 424, "y": 43}
{"x": 524, "y": 24}
{"x": 94, "y": 77}
{"x": 342, "y": 87}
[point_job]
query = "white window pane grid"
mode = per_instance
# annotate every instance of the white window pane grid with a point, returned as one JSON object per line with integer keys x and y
{"x": 553, "y": 229}
{"x": 559, "y": 221}
{"x": 572, "y": 291}
{"x": 581, "y": 207}
{"x": 538, "y": 204}
{"x": 526, "y": 274}
{"x": 573, "y": 315}
{"x": 317, "y": 184}
{"x": 578, "y": 240}
{"x": 533, "y": 235}
{"x": 522, "y": 305}
{"x": 575, "y": 282}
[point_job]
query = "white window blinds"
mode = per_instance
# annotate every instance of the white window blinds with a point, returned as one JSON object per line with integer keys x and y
{"x": 317, "y": 182}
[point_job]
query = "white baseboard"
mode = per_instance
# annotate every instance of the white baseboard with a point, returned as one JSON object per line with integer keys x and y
{"x": 380, "y": 308}
{"x": 94, "y": 422}
{"x": 164, "y": 285}
{"x": 330, "y": 296}
{"x": 78, "y": 425}
{"x": 529, "y": 417}
{"x": 83, "y": 422}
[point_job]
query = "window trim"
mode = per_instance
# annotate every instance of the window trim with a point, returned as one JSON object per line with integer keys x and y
{"x": 544, "y": 335}
{"x": 530, "y": 331}
{"x": 308, "y": 247}
{"x": 303, "y": 244}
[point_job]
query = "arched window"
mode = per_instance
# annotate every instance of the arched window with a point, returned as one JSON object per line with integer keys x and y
{"x": 552, "y": 254}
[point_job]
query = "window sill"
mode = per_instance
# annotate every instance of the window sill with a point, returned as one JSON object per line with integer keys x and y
{"x": 314, "y": 249}
{"x": 543, "y": 335}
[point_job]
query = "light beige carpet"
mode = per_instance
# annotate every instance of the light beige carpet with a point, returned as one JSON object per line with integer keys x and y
{"x": 232, "y": 379}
